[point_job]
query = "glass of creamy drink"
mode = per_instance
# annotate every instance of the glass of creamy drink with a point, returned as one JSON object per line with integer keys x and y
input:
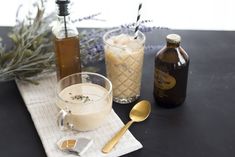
{"x": 124, "y": 56}
{"x": 85, "y": 99}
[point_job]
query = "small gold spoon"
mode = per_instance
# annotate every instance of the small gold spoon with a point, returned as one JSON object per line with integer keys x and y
{"x": 138, "y": 114}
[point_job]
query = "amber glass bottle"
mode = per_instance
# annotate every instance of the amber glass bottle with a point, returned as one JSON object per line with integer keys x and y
{"x": 66, "y": 43}
{"x": 171, "y": 73}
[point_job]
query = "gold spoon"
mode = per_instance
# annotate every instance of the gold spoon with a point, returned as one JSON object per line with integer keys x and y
{"x": 138, "y": 114}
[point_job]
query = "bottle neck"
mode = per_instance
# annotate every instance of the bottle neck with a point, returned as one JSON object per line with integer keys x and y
{"x": 64, "y": 19}
{"x": 64, "y": 27}
{"x": 65, "y": 24}
{"x": 172, "y": 45}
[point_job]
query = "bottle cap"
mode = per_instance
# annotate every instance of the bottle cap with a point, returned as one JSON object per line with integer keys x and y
{"x": 63, "y": 7}
{"x": 173, "y": 38}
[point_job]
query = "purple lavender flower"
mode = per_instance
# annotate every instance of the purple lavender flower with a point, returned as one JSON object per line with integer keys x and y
{"x": 91, "y": 41}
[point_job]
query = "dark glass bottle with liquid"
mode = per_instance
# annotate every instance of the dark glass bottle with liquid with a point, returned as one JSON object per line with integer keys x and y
{"x": 171, "y": 73}
{"x": 66, "y": 43}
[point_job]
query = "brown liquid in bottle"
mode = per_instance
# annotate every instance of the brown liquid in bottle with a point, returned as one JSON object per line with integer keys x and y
{"x": 171, "y": 74}
{"x": 67, "y": 56}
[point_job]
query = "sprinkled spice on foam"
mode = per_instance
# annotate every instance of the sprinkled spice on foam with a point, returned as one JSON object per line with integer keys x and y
{"x": 80, "y": 97}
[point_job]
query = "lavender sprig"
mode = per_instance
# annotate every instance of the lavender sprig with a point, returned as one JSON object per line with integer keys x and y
{"x": 90, "y": 17}
{"x": 91, "y": 41}
{"x": 33, "y": 54}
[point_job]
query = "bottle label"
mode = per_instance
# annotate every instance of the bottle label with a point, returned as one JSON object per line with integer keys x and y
{"x": 163, "y": 80}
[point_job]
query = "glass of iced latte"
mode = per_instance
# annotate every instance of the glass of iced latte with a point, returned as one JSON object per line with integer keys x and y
{"x": 124, "y": 53}
{"x": 84, "y": 99}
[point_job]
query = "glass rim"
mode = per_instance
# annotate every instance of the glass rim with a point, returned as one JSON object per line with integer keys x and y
{"x": 82, "y": 73}
{"x": 118, "y": 29}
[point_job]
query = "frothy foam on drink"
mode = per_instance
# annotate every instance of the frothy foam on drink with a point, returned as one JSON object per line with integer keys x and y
{"x": 88, "y": 103}
{"x": 84, "y": 98}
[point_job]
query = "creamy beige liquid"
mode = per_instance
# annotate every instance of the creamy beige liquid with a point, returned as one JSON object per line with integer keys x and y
{"x": 124, "y": 61}
{"x": 88, "y": 103}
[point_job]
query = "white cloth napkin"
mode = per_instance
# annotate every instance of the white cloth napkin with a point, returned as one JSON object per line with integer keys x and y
{"x": 40, "y": 102}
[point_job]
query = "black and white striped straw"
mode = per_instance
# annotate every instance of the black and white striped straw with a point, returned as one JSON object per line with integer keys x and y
{"x": 138, "y": 21}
